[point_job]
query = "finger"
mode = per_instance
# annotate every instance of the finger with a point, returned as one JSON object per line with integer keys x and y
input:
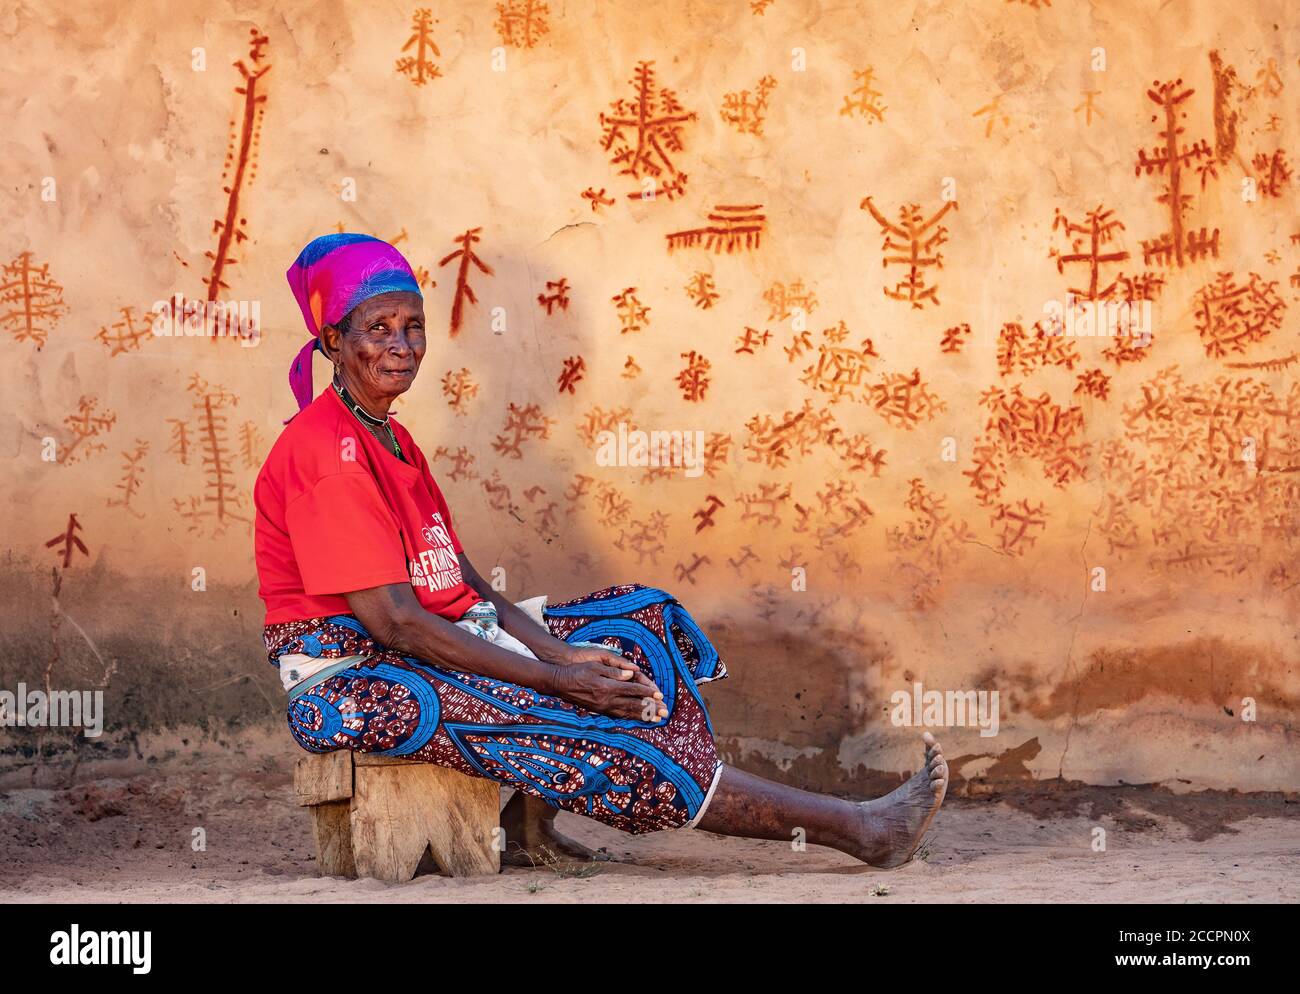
{"x": 644, "y": 681}
{"x": 621, "y": 690}
{"x": 633, "y": 677}
{"x": 634, "y": 691}
{"x": 650, "y": 708}
{"x": 628, "y": 708}
{"x": 615, "y": 672}
{"x": 647, "y": 709}
{"x": 633, "y": 702}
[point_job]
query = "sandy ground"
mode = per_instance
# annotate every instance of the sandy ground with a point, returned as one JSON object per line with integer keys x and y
{"x": 128, "y": 838}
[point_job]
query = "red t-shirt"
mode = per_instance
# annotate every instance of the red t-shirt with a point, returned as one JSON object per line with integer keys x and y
{"x": 336, "y": 511}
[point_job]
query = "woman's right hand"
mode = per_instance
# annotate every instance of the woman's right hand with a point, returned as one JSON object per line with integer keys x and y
{"x": 609, "y": 685}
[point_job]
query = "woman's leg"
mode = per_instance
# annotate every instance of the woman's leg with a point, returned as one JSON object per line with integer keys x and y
{"x": 884, "y": 832}
{"x": 528, "y": 826}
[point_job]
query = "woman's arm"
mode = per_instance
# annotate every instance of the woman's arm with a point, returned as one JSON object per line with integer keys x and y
{"x": 396, "y": 619}
{"x": 546, "y": 646}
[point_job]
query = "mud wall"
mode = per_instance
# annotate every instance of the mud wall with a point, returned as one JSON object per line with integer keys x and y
{"x": 983, "y": 313}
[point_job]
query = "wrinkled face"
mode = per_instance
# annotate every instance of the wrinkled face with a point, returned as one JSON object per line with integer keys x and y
{"x": 384, "y": 344}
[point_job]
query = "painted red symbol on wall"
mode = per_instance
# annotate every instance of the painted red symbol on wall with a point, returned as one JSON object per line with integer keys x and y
{"x": 522, "y": 423}
{"x": 1088, "y": 242}
{"x": 1230, "y": 316}
{"x": 800, "y": 342}
{"x": 180, "y": 435}
{"x": 250, "y": 446}
{"x": 498, "y": 494}
{"x": 464, "y": 291}
{"x": 694, "y": 378}
{"x": 772, "y": 441}
{"x": 954, "y": 338}
{"x": 458, "y": 387}
{"x": 572, "y": 373}
{"x": 125, "y": 335}
{"x": 86, "y": 425}
{"x": 684, "y": 572}
{"x": 705, "y": 514}
{"x": 928, "y": 543}
{"x": 612, "y": 506}
{"x": 645, "y": 538}
{"x": 1094, "y": 383}
{"x": 632, "y": 314}
{"x": 1176, "y": 247}
{"x": 644, "y": 132}
{"x": 240, "y": 165}
{"x": 132, "y": 472}
{"x": 1274, "y": 173}
{"x": 730, "y": 227}
{"x": 1018, "y": 526}
{"x": 912, "y": 237}
{"x": 904, "y": 400}
{"x": 717, "y": 452}
{"x": 763, "y": 505}
{"x": 222, "y": 499}
{"x": 462, "y": 462}
{"x": 839, "y": 371}
{"x": 864, "y": 100}
{"x": 1022, "y": 352}
{"x": 597, "y": 198}
{"x": 739, "y": 563}
{"x": 556, "y": 295}
{"x": 598, "y": 420}
{"x": 31, "y": 301}
{"x": 521, "y": 22}
{"x": 746, "y": 111}
{"x": 418, "y": 67}
{"x": 784, "y": 300}
{"x": 70, "y": 541}
{"x": 752, "y": 339}
{"x": 701, "y": 290}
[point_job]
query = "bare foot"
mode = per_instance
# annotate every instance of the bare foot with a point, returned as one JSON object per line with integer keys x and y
{"x": 531, "y": 838}
{"x": 894, "y": 825}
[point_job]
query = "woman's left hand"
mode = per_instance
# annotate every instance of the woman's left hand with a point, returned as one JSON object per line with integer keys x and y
{"x": 570, "y": 654}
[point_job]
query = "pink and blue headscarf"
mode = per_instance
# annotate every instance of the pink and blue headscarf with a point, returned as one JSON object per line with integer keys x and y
{"x": 331, "y": 276}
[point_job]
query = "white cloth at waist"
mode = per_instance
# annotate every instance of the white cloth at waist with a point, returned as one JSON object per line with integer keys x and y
{"x": 298, "y": 669}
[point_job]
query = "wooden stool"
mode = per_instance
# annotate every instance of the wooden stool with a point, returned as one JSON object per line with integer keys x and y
{"x": 389, "y": 818}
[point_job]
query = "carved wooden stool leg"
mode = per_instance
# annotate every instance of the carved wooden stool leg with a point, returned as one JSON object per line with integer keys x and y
{"x": 383, "y": 818}
{"x": 401, "y": 810}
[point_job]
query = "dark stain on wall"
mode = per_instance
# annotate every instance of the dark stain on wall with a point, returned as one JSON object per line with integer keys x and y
{"x": 1207, "y": 672}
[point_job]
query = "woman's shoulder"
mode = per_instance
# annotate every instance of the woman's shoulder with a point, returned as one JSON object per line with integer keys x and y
{"x": 317, "y": 442}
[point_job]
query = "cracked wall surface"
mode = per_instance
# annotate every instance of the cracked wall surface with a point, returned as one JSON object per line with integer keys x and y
{"x": 984, "y": 316}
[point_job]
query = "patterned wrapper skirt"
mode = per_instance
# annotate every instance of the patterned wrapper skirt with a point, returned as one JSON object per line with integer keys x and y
{"x": 636, "y": 776}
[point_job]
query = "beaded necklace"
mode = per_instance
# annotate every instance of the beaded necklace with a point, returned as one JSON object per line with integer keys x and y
{"x": 372, "y": 423}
